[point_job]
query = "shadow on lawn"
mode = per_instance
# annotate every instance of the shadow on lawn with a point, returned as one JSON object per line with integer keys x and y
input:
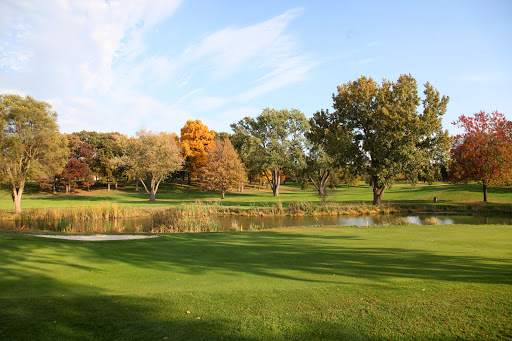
{"x": 62, "y": 310}
{"x": 290, "y": 256}
{"x": 100, "y": 317}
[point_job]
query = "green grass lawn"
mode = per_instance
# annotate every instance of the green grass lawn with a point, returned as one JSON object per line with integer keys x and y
{"x": 177, "y": 193}
{"x": 401, "y": 283}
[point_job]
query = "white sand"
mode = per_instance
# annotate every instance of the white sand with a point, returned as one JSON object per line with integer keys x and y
{"x": 97, "y": 237}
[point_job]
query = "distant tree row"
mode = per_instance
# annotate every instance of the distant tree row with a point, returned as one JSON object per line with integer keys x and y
{"x": 375, "y": 132}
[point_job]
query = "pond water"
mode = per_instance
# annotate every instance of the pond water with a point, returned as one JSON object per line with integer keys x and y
{"x": 385, "y": 219}
{"x": 131, "y": 225}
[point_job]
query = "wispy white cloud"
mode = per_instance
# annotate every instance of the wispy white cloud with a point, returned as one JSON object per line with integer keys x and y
{"x": 230, "y": 49}
{"x": 91, "y": 61}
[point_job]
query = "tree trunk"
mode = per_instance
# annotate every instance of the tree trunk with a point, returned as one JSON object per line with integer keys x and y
{"x": 222, "y": 194}
{"x": 152, "y": 195}
{"x": 276, "y": 181}
{"x": 152, "y": 191}
{"x": 16, "y": 198}
{"x": 188, "y": 181}
{"x": 136, "y": 185}
{"x": 484, "y": 187}
{"x": 377, "y": 192}
{"x": 68, "y": 186}
{"x": 108, "y": 185}
{"x": 116, "y": 185}
{"x": 321, "y": 185}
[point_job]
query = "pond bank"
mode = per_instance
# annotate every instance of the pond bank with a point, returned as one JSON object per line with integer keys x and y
{"x": 210, "y": 217}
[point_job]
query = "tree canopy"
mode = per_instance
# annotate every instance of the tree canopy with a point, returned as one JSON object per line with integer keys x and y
{"x": 223, "y": 169}
{"x": 154, "y": 157}
{"x": 378, "y": 131}
{"x": 196, "y": 141}
{"x": 483, "y": 153}
{"x": 30, "y": 143}
{"x": 274, "y": 140}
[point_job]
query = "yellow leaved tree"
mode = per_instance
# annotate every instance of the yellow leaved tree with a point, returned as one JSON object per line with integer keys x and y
{"x": 196, "y": 141}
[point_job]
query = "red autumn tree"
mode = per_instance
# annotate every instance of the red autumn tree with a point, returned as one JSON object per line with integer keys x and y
{"x": 483, "y": 153}
{"x": 77, "y": 168}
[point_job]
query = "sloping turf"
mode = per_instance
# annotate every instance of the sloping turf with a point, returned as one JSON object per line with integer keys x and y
{"x": 450, "y": 282}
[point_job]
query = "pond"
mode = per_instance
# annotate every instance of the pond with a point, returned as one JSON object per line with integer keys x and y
{"x": 384, "y": 219}
{"x": 131, "y": 225}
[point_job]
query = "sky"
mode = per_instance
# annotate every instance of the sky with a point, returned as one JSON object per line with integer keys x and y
{"x": 122, "y": 66}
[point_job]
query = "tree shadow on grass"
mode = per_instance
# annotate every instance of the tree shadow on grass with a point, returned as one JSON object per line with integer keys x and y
{"x": 100, "y": 317}
{"x": 157, "y": 317}
{"x": 90, "y": 312}
{"x": 285, "y": 256}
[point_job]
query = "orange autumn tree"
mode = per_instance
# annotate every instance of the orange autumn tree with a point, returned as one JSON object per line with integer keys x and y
{"x": 196, "y": 142}
{"x": 223, "y": 169}
{"x": 483, "y": 153}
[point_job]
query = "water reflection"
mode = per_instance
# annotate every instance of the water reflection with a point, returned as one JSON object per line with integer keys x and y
{"x": 134, "y": 225}
{"x": 391, "y": 219}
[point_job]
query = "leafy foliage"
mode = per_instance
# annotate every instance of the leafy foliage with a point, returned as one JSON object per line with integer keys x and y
{"x": 196, "y": 141}
{"x": 377, "y": 130}
{"x": 223, "y": 169}
{"x": 154, "y": 157}
{"x": 77, "y": 168}
{"x": 483, "y": 153}
{"x": 108, "y": 152}
{"x": 30, "y": 143}
{"x": 274, "y": 140}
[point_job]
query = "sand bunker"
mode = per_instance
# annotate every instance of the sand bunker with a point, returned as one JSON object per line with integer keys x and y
{"x": 97, "y": 237}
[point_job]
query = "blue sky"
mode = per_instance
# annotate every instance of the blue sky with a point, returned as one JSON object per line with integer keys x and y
{"x": 127, "y": 65}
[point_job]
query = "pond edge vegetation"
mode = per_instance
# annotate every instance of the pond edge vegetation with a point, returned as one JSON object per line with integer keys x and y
{"x": 200, "y": 216}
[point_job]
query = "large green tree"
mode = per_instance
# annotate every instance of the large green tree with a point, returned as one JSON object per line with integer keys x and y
{"x": 275, "y": 139}
{"x": 30, "y": 143}
{"x": 379, "y": 131}
{"x": 319, "y": 164}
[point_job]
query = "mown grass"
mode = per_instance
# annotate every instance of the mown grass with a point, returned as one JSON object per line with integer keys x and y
{"x": 410, "y": 282}
{"x": 450, "y": 197}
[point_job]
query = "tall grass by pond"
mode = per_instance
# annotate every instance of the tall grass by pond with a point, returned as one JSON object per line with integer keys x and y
{"x": 192, "y": 217}
{"x": 188, "y": 218}
{"x": 65, "y": 219}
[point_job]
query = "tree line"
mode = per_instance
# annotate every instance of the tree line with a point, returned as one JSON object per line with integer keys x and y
{"x": 375, "y": 132}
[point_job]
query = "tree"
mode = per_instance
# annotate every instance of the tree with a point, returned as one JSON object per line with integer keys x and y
{"x": 377, "y": 131}
{"x": 319, "y": 164}
{"x": 154, "y": 157}
{"x": 483, "y": 153}
{"x": 30, "y": 143}
{"x": 223, "y": 169}
{"x": 107, "y": 147}
{"x": 196, "y": 142}
{"x": 275, "y": 139}
{"x": 76, "y": 168}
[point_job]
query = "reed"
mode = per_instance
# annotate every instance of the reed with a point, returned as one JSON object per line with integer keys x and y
{"x": 197, "y": 217}
{"x": 431, "y": 221}
{"x": 67, "y": 219}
